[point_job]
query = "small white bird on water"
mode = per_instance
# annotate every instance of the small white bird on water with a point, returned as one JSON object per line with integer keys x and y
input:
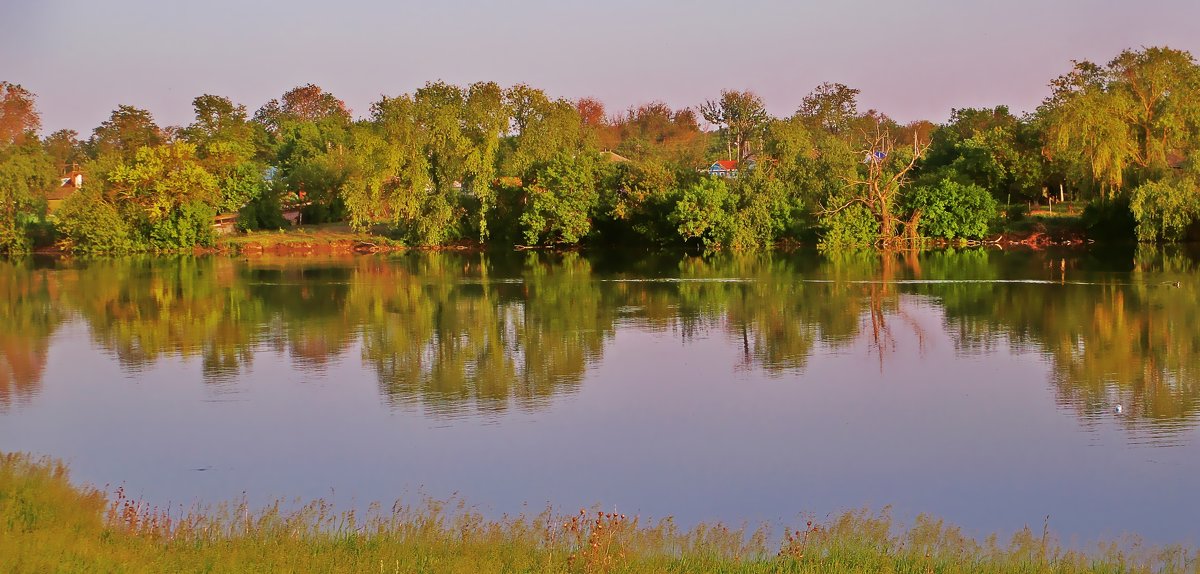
{"x": 1118, "y": 409}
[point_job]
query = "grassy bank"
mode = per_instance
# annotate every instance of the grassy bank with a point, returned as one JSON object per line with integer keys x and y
{"x": 49, "y": 525}
{"x": 307, "y": 239}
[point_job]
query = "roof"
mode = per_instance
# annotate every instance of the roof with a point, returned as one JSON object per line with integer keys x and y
{"x": 726, "y": 164}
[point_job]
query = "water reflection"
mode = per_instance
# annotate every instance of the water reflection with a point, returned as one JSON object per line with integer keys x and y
{"x": 461, "y": 333}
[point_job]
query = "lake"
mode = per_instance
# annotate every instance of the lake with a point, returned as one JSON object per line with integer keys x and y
{"x": 993, "y": 389}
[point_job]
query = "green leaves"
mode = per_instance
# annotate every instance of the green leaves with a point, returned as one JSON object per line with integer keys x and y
{"x": 951, "y": 210}
{"x": 1165, "y": 209}
{"x": 561, "y": 201}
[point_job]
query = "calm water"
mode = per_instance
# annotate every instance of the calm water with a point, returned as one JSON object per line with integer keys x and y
{"x": 982, "y": 387}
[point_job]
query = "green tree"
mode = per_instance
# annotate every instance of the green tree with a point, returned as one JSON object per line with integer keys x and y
{"x": 225, "y": 144}
{"x": 562, "y": 198}
{"x": 126, "y": 131}
{"x": 741, "y": 117}
{"x": 26, "y": 171}
{"x": 831, "y": 107}
{"x": 168, "y": 195}
{"x": 1165, "y": 209}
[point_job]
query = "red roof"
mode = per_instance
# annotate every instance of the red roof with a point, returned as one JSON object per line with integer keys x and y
{"x": 727, "y": 164}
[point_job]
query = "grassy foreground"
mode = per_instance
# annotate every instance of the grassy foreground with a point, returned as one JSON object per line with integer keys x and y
{"x": 49, "y": 525}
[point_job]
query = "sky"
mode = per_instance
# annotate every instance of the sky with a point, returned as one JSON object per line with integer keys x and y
{"x": 911, "y": 59}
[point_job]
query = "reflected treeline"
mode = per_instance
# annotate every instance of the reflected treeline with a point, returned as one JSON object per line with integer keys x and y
{"x": 1116, "y": 333}
{"x": 450, "y": 332}
{"x": 29, "y": 315}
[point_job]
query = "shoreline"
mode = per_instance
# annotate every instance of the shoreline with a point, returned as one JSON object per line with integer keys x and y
{"x": 319, "y": 242}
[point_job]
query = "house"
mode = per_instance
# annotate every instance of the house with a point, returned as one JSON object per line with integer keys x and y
{"x": 723, "y": 168}
{"x": 69, "y": 184}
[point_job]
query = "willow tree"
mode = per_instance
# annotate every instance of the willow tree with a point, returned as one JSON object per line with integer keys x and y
{"x": 1126, "y": 118}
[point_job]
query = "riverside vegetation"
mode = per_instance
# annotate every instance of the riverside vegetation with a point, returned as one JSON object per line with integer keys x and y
{"x": 48, "y": 524}
{"x": 481, "y": 163}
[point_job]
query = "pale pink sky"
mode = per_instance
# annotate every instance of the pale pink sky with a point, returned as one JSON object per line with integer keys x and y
{"x": 915, "y": 59}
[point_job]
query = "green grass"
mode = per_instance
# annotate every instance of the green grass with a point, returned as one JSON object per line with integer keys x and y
{"x": 307, "y": 235}
{"x": 49, "y": 525}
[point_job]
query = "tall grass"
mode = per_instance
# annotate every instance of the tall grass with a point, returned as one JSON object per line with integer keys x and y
{"x": 49, "y": 525}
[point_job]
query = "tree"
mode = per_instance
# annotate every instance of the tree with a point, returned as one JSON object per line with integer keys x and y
{"x": 64, "y": 148}
{"x": 542, "y": 129}
{"x": 225, "y": 144}
{"x": 18, "y": 116}
{"x": 741, "y": 117}
{"x": 1122, "y": 120}
{"x": 126, "y": 131}
{"x": 990, "y": 148}
{"x": 655, "y": 132}
{"x": 307, "y": 103}
{"x": 26, "y": 171}
{"x": 831, "y": 107}
{"x": 877, "y": 185}
{"x": 562, "y": 198}
{"x": 168, "y": 196}
{"x": 1165, "y": 209}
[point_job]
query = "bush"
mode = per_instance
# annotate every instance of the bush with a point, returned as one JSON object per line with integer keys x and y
{"x": 1109, "y": 219}
{"x": 189, "y": 226}
{"x": 89, "y": 224}
{"x": 706, "y": 211}
{"x": 263, "y": 212}
{"x": 561, "y": 201}
{"x": 852, "y": 226}
{"x": 950, "y": 209}
{"x": 1016, "y": 212}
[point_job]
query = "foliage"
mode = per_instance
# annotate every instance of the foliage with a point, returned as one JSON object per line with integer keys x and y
{"x": 126, "y": 131}
{"x": 854, "y": 226}
{"x": 741, "y": 117}
{"x": 950, "y": 210}
{"x": 561, "y": 201}
{"x": 990, "y": 148}
{"x": 1109, "y": 219}
{"x": 706, "y": 211}
{"x": 90, "y": 224}
{"x": 1164, "y": 209}
{"x": 26, "y": 172}
{"x": 188, "y": 225}
{"x": 161, "y": 180}
{"x": 18, "y": 114}
{"x": 830, "y": 107}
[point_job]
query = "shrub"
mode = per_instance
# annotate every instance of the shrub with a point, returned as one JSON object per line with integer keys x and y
{"x": 706, "y": 211}
{"x": 1109, "y": 219}
{"x": 852, "y": 226}
{"x": 89, "y": 224}
{"x": 949, "y": 209}
{"x": 189, "y": 226}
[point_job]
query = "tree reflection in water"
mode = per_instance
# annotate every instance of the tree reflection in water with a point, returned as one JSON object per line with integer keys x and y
{"x": 452, "y": 332}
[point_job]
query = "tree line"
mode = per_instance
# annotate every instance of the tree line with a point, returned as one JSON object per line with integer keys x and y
{"x": 515, "y": 166}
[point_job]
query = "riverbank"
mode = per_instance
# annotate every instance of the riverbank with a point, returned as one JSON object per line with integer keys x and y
{"x": 48, "y": 524}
